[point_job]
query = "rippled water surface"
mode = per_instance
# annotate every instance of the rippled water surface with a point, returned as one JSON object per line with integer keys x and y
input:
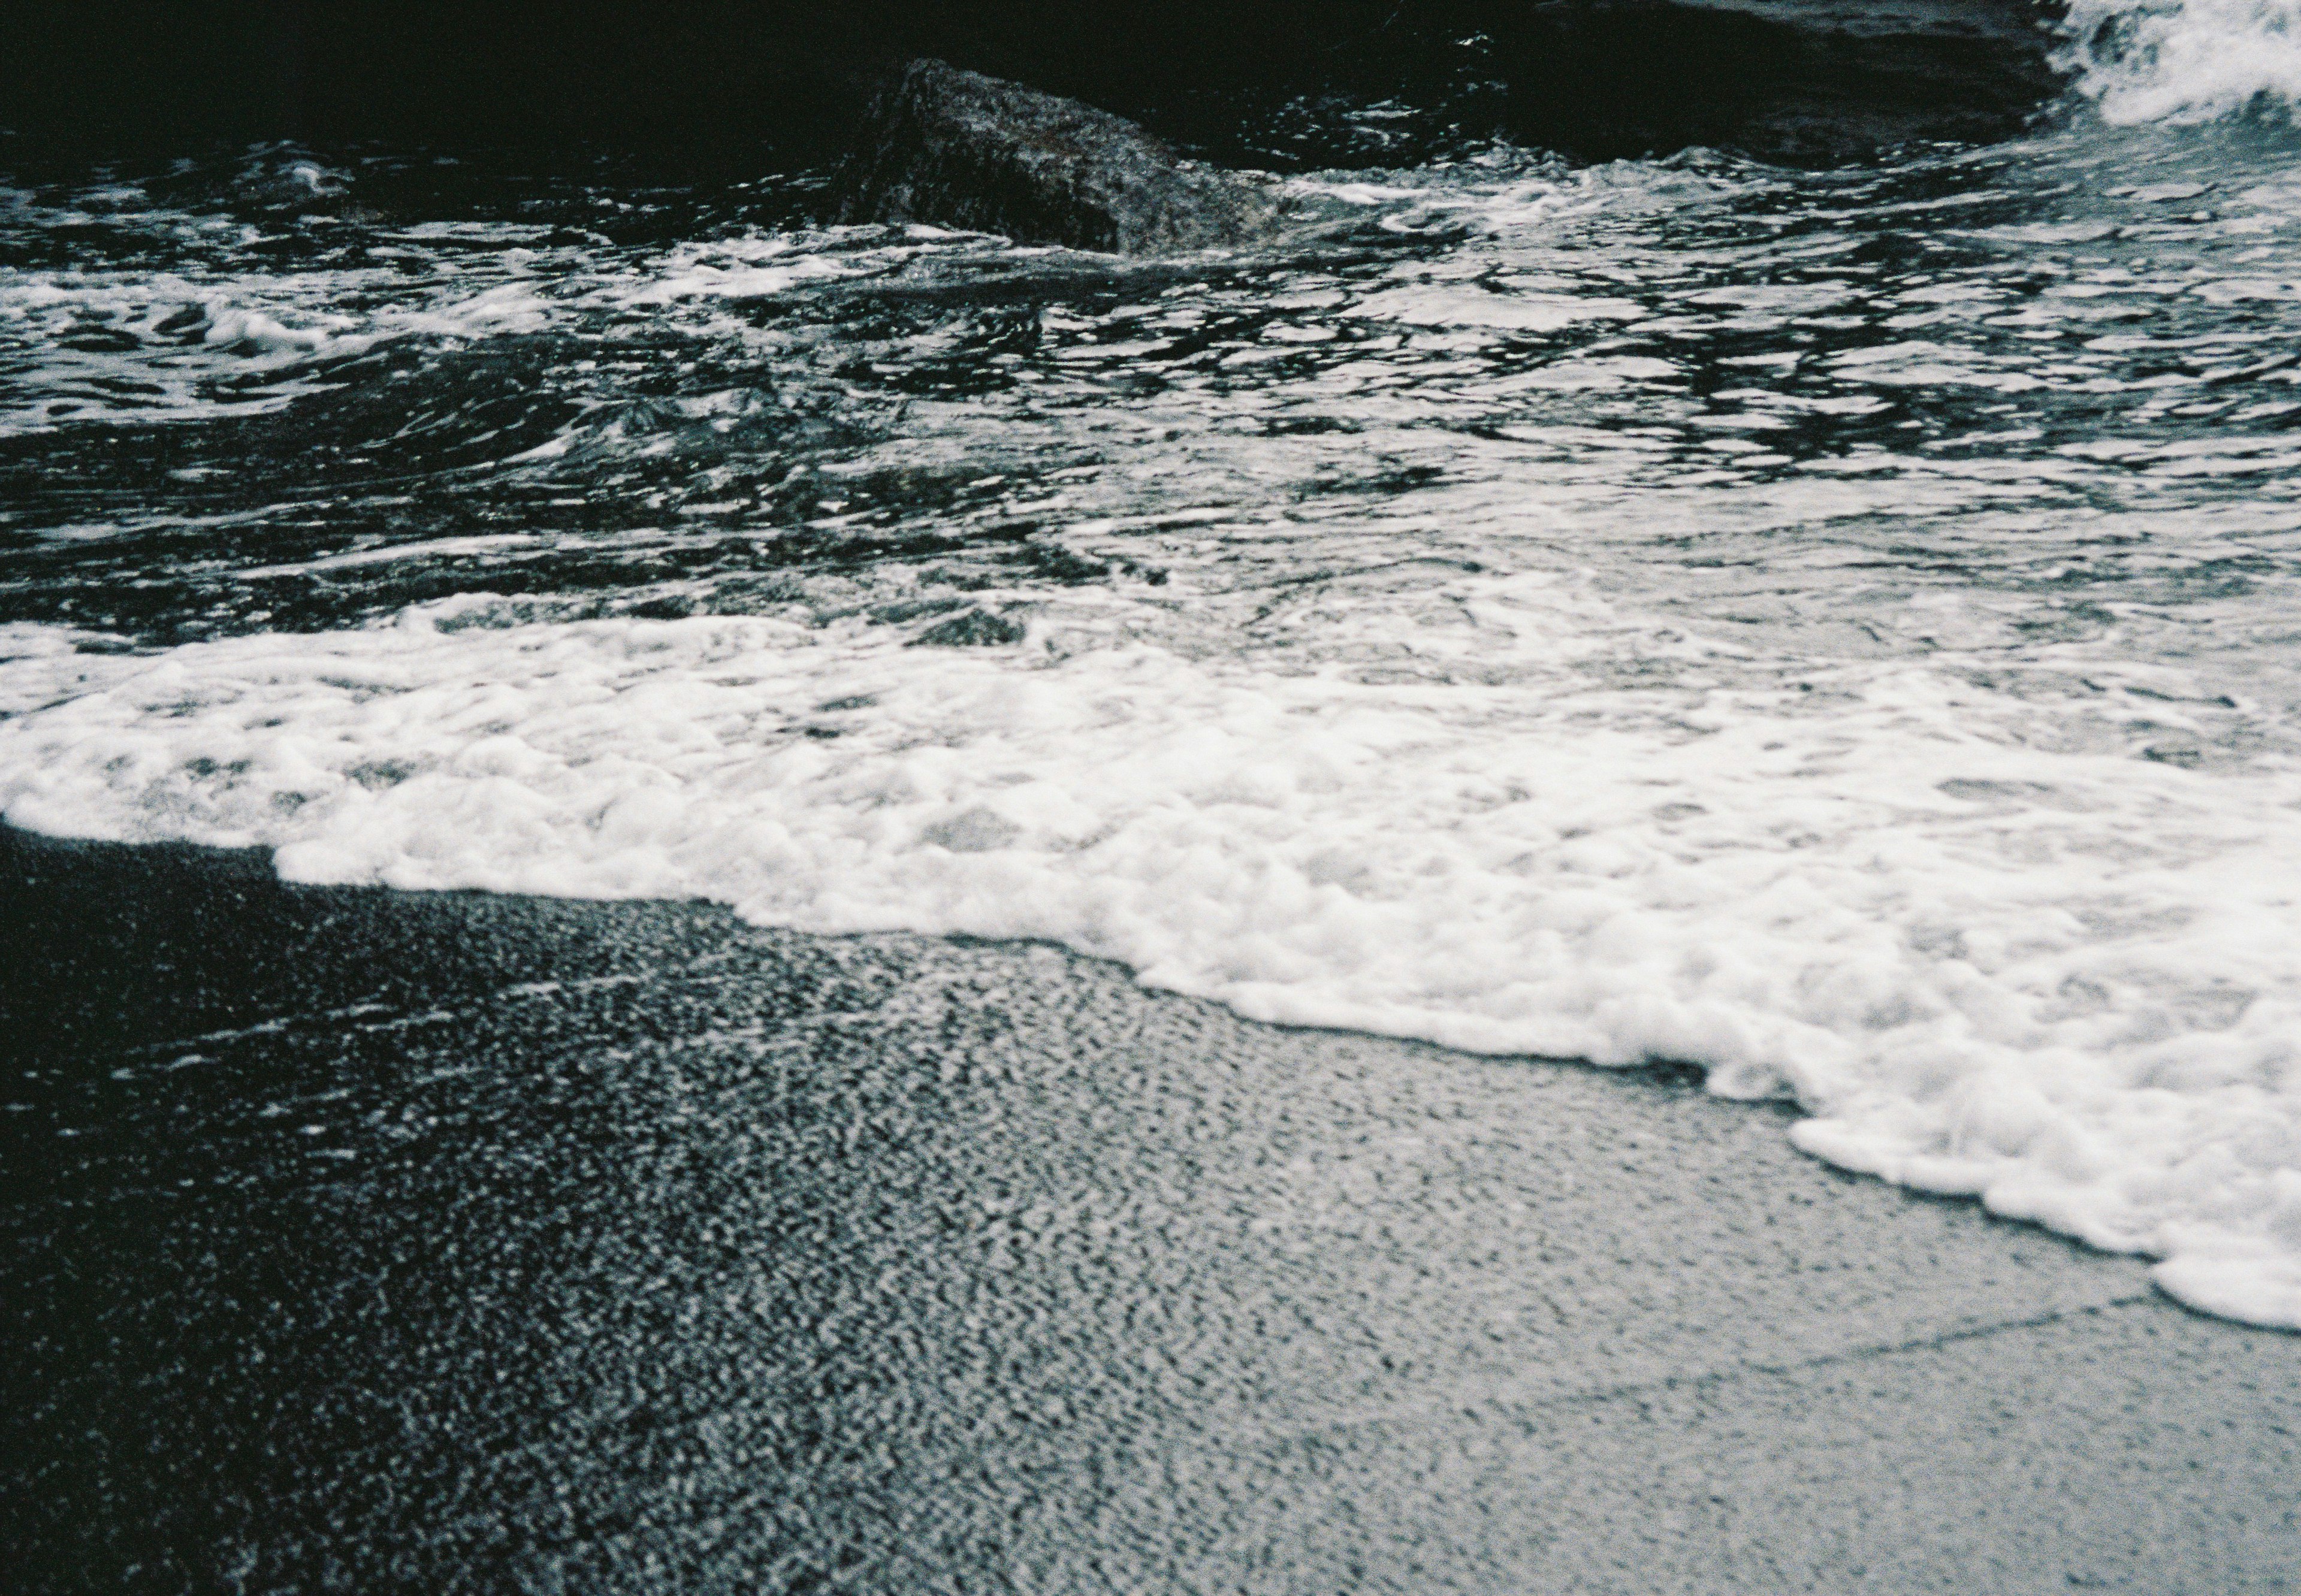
{"x": 1835, "y": 628}
{"x": 2030, "y": 370}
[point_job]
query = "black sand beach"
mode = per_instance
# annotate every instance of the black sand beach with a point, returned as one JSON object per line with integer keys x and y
{"x": 378, "y": 1242}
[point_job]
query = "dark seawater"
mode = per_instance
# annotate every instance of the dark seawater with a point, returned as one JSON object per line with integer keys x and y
{"x": 1833, "y": 627}
{"x": 224, "y": 404}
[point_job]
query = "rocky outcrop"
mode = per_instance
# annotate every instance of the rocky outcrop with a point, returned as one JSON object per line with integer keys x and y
{"x": 958, "y": 149}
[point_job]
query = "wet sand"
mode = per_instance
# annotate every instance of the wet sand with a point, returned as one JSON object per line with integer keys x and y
{"x": 376, "y": 1241}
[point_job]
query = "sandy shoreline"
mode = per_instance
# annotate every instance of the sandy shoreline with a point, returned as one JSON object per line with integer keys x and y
{"x": 454, "y": 1242}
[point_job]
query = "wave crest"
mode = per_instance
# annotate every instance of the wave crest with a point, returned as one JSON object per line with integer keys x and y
{"x": 2185, "y": 60}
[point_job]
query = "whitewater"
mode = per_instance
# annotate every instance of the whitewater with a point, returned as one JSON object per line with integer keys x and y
{"x": 1838, "y": 630}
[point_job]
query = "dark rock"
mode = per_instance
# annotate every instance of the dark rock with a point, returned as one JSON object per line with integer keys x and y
{"x": 958, "y": 149}
{"x": 970, "y": 628}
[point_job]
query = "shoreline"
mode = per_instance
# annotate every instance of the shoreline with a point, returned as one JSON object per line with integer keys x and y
{"x": 466, "y": 1240}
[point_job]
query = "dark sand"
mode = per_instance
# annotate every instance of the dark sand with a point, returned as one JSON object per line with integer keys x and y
{"x": 383, "y": 1242}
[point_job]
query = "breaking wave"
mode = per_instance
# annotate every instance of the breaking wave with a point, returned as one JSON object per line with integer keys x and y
{"x": 2185, "y": 60}
{"x": 1834, "y": 629}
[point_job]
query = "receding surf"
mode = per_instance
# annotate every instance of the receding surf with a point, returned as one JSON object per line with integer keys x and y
{"x": 1831, "y": 627}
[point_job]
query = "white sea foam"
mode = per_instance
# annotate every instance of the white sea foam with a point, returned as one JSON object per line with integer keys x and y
{"x": 129, "y": 343}
{"x": 1633, "y": 628}
{"x": 2184, "y": 61}
{"x": 1986, "y": 947}
{"x": 163, "y": 342}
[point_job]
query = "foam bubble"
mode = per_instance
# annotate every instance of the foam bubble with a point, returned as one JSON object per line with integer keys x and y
{"x": 2184, "y": 61}
{"x": 1985, "y": 948}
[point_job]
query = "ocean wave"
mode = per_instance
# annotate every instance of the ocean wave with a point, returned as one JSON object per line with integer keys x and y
{"x": 2185, "y": 60}
{"x": 1984, "y": 946}
{"x": 1830, "y": 627}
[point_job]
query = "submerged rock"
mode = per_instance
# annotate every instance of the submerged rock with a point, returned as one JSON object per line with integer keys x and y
{"x": 970, "y": 628}
{"x": 958, "y": 149}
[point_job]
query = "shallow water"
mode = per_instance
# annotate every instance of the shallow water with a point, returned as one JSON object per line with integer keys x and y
{"x": 1832, "y": 627}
